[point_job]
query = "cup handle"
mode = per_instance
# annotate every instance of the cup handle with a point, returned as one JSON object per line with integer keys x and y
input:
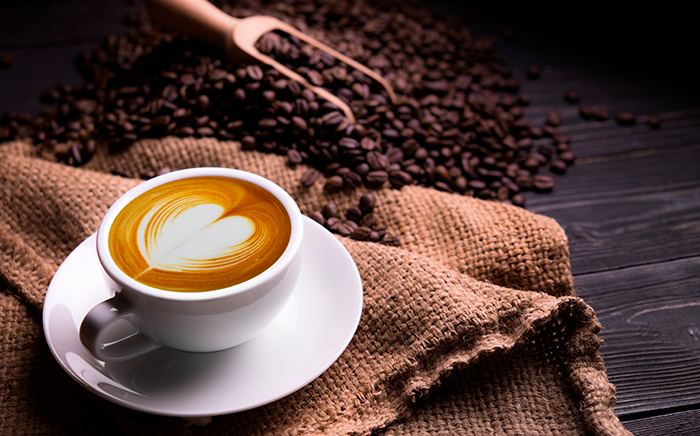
{"x": 97, "y": 323}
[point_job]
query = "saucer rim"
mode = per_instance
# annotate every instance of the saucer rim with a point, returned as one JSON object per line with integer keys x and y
{"x": 347, "y": 335}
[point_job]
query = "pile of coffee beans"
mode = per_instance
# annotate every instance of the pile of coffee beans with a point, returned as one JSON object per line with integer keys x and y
{"x": 458, "y": 124}
{"x": 357, "y": 222}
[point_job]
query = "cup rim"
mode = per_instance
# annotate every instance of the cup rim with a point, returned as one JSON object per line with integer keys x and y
{"x": 126, "y": 282}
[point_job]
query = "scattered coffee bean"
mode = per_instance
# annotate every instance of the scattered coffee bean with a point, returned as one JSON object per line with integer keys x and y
{"x": 333, "y": 184}
{"x": 543, "y": 183}
{"x": 558, "y": 166}
{"x": 571, "y": 97}
{"x": 600, "y": 113}
{"x": 533, "y": 72}
{"x": 356, "y": 224}
{"x": 567, "y": 156}
{"x": 626, "y": 119}
{"x": 367, "y": 202}
{"x": 654, "y": 121}
{"x": 554, "y": 118}
{"x": 309, "y": 177}
{"x": 585, "y": 112}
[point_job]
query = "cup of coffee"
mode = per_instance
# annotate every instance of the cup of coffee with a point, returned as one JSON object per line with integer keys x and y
{"x": 203, "y": 258}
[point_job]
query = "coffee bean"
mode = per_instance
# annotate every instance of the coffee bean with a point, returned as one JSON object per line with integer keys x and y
{"x": 571, "y": 97}
{"x": 367, "y": 202}
{"x": 558, "y": 166}
{"x": 568, "y": 157}
{"x": 309, "y": 177}
{"x": 294, "y": 157}
{"x": 654, "y": 121}
{"x": 518, "y": 200}
{"x": 626, "y": 119}
{"x": 354, "y": 213}
{"x": 369, "y": 220}
{"x": 318, "y": 217}
{"x": 600, "y": 113}
{"x": 362, "y": 233}
{"x": 376, "y": 179}
{"x": 333, "y": 184}
{"x": 554, "y": 118}
{"x": 543, "y": 183}
{"x": 392, "y": 241}
{"x": 330, "y": 210}
{"x": 533, "y": 72}
{"x": 248, "y": 143}
{"x": 254, "y": 72}
{"x": 399, "y": 179}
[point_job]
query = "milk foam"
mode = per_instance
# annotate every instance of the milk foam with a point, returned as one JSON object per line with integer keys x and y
{"x": 199, "y": 234}
{"x": 191, "y": 239}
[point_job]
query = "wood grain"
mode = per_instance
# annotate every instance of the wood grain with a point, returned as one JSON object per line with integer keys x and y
{"x": 685, "y": 423}
{"x": 651, "y": 328}
{"x": 622, "y": 231}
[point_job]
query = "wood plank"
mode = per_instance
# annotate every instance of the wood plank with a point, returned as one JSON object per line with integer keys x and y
{"x": 623, "y": 231}
{"x": 647, "y": 172}
{"x": 21, "y": 85}
{"x": 37, "y": 23}
{"x": 686, "y": 423}
{"x": 651, "y": 331}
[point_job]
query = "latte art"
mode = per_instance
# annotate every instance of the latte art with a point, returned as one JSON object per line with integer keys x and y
{"x": 199, "y": 234}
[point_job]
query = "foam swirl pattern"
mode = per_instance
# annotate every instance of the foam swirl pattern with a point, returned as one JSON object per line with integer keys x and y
{"x": 199, "y": 234}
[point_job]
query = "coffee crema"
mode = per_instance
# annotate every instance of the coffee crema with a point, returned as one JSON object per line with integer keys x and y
{"x": 199, "y": 234}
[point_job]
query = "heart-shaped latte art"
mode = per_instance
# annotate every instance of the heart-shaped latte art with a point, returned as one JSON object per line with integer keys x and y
{"x": 193, "y": 238}
{"x": 199, "y": 234}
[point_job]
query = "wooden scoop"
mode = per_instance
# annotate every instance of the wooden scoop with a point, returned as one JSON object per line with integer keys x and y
{"x": 204, "y": 21}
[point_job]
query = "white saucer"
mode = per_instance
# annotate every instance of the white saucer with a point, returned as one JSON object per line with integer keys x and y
{"x": 306, "y": 338}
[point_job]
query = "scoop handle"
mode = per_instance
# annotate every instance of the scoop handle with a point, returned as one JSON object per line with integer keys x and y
{"x": 196, "y": 18}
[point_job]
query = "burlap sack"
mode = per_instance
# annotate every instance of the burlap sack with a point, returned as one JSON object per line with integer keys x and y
{"x": 470, "y": 327}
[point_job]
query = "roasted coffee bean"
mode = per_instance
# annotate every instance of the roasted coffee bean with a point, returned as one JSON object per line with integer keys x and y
{"x": 351, "y": 179}
{"x": 585, "y": 111}
{"x": 568, "y": 157}
{"x": 330, "y": 210}
{"x": 309, "y": 177}
{"x": 626, "y": 119}
{"x": 558, "y": 166}
{"x": 392, "y": 241}
{"x": 654, "y": 121}
{"x": 600, "y": 113}
{"x": 318, "y": 217}
{"x": 333, "y": 184}
{"x": 571, "y": 97}
{"x": 533, "y": 72}
{"x": 518, "y": 200}
{"x": 354, "y": 214}
{"x": 399, "y": 179}
{"x": 367, "y": 202}
{"x": 554, "y": 118}
{"x": 368, "y": 220}
{"x": 542, "y": 183}
{"x": 346, "y": 228}
{"x": 361, "y": 233}
{"x": 376, "y": 179}
{"x": 249, "y": 143}
{"x": 294, "y": 157}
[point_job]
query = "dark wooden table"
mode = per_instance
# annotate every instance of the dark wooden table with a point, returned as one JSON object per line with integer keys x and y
{"x": 630, "y": 206}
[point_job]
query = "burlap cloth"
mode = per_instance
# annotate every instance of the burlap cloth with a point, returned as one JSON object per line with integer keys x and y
{"x": 472, "y": 326}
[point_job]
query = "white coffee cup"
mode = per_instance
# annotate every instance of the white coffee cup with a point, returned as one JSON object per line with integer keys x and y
{"x": 202, "y": 321}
